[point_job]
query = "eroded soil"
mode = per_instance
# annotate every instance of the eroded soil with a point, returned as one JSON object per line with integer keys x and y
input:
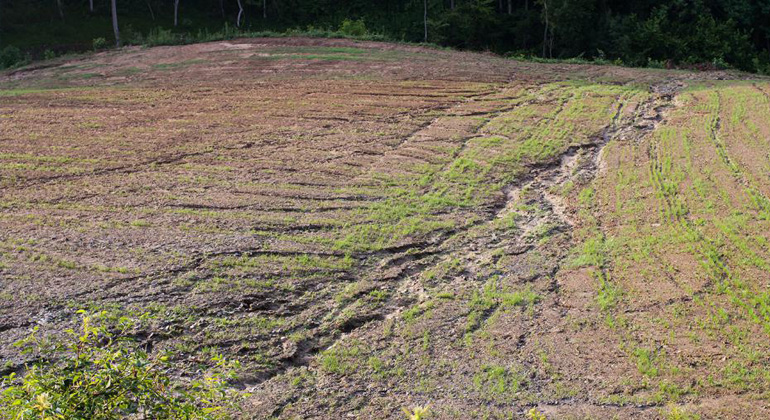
{"x": 369, "y": 227}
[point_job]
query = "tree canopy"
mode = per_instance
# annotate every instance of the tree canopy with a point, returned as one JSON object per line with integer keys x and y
{"x": 646, "y": 32}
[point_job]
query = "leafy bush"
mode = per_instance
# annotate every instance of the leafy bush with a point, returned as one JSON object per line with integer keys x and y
{"x": 655, "y": 64}
{"x": 682, "y": 35}
{"x": 94, "y": 374}
{"x": 99, "y": 43}
{"x": 160, "y": 36}
{"x": 10, "y": 56}
{"x": 762, "y": 65}
{"x": 131, "y": 36}
{"x": 353, "y": 27}
{"x": 49, "y": 54}
{"x": 465, "y": 27}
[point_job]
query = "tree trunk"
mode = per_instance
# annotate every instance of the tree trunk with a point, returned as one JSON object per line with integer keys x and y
{"x": 768, "y": 43}
{"x": 91, "y": 5}
{"x": 115, "y": 23}
{"x": 545, "y": 32}
{"x": 264, "y": 9}
{"x": 550, "y": 43}
{"x": 61, "y": 10}
{"x": 526, "y": 5}
{"x": 425, "y": 19}
{"x": 240, "y": 13}
{"x": 510, "y": 7}
{"x": 149, "y": 6}
{"x": 176, "y": 12}
{"x": 451, "y": 4}
{"x": 222, "y": 7}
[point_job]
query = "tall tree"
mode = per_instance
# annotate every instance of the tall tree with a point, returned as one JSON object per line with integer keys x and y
{"x": 684, "y": 31}
{"x": 548, "y": 29}
{"x": 61, "y": 9}
{"x": 425, "y": 19}
{"x": 240, "y": 13}
{"x": 115, "y": 23}
{"x": 149, "y": 6}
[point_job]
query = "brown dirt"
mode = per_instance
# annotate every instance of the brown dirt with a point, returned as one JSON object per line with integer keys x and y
{"x": 368, "y": 226}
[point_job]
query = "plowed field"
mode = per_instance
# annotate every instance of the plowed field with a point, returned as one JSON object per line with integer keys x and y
{"x": 368, "y": 227}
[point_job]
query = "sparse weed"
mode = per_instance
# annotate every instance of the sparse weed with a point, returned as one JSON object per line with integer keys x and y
{"x": 417, "y": 413}
{"x": 674, "y": 412}
{"x": 341, "y": 360}
{"x": 534, "y": 414}
{"x": 494, "y": 381}
{"x": 647, "y": 361}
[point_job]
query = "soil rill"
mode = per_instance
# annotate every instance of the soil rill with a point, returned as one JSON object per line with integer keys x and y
{"x": 369, "y": 227}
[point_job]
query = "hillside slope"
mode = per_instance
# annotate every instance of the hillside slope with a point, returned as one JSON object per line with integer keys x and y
{"x": 368, "y": 226}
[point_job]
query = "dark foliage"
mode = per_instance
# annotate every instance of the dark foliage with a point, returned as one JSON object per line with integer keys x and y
{"x": 688, "y": 33}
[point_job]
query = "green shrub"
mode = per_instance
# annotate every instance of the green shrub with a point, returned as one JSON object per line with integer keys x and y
{"x": 655, "y": 64}
{"x": 10, "y": 56}
{"x": 160, "y": 36}
{"x": 131, "y": 36}
{"x": 353, "y": 27}
{"x": 49, "y": 54}
{"x": 94, "y": 374}
{"x": 99, "y": 43}
{"x": 720, "y": 63}
{"x": 762, "y": 65}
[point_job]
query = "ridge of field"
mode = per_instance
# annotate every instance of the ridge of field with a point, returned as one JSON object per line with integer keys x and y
{"x": 368, "y": 226}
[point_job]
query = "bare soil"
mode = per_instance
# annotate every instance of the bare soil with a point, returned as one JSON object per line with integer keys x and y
{"x": 370, "y": 227}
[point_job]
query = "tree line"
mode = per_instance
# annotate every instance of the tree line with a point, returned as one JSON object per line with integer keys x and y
{"x": 643, "y": 32}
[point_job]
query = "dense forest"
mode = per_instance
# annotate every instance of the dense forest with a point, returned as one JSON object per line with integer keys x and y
{"x": 684, "y": 33}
